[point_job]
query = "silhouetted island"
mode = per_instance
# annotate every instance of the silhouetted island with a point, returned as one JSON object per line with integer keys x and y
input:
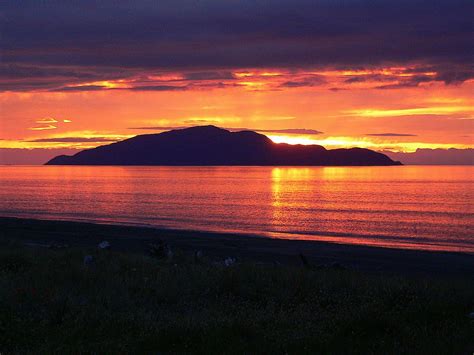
{"x": 210, "y": 145}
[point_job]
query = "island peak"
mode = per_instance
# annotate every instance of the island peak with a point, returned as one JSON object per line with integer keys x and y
{"x": 211, "y": 145}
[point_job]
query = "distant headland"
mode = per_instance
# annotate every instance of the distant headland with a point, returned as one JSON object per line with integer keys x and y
{"x": 210, "y": 145}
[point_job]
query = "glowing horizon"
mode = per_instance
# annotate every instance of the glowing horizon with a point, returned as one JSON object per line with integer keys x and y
{"x": 347, "y": 117}
{"x": 439, "y": 118}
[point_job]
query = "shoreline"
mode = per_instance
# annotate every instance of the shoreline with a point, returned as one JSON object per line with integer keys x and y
{"x": 321, "y": 237}
{"x": 254, "y": 248}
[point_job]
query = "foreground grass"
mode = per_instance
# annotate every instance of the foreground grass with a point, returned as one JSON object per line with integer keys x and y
{"x": 51, "y": 303}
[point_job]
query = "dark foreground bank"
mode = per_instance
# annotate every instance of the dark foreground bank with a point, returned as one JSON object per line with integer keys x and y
{"x": 43, "y": 233}
{"x": 86, "y": 300}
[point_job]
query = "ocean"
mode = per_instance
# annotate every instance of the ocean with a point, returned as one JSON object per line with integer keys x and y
{"x": 415, "y": 207}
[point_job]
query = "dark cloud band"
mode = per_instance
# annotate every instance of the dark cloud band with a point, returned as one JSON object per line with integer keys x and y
{"x": 106, "y": 40}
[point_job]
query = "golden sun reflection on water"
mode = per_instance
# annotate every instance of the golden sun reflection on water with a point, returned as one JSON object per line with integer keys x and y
{"x": 289, "y": 182}
{"x": 283, "y": 188}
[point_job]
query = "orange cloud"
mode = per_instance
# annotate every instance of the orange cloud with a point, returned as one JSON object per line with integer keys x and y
{"x": 47, "y": 123}
{"x": 438, "y": 110}
{"x": 42, "y": 128}
{"x": 46, "y": 120}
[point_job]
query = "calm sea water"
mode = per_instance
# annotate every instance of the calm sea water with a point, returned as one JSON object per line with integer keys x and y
{"x": 405, "y": 207}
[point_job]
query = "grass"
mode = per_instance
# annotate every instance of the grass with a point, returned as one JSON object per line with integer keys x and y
{"x": 51, "y": 303}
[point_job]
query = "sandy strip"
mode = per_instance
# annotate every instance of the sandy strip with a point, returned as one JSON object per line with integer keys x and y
{"x": 41, "y": 233}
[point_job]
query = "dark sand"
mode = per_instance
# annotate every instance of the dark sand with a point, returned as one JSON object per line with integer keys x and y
{"x": 42, "y": 233}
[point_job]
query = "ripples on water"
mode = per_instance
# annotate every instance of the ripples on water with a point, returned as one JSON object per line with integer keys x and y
{"x": 409, "y": 206}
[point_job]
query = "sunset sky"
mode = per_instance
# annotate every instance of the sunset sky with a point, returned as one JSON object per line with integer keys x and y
{"x": 394, "y": 75}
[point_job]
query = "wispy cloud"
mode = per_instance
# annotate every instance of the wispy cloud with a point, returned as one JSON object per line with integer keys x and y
{"x": 391, "y": 134}
{"x": 159, "y": 128}
{"x": 257, "y": 79}
{"x": 211, "y": 120}
{"x": 42, "y": 128}
{"x": 438, "y": 110}
{"x": 159, "y": 88}
{"x": 73, "y": 140}
{"x": 48, "y": 123}
{"x": 301, "y": 131}
{"x": 290, "y": 131}
{"x": 211, "y": 75}
{"x": 306, "y": 81}
{"x": 79, "y": 88}
{"x": 46, "y": 120}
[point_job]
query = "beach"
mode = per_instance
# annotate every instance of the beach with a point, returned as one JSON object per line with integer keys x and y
{"x": 129, "y": 239}
{"x": 224, "y": 293}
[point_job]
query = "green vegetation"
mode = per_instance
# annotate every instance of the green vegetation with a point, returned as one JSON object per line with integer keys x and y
{"x": 50, "y": 302}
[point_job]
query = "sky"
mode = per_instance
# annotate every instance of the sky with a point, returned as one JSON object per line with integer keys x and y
{"x": 385, "y": 75}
